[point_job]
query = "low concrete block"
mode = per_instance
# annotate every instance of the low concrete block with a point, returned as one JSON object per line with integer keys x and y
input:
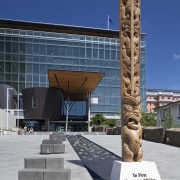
{"x": 47, "y": 148}
{"x": 48, "y": 141}
{"x": 117, "y": 131}
{"x": 60, "y": 174}
{"x": 154, "y": 134}
{"x": 101, "y": 128}
{"x": 44, "y": 174}
{"x": 57, "y": 133}
{"x": 30, "y": 174}
{"x": 61, "y": 137}
{"x": 54, "y": 163}
{"x": 46, "y": 163}
{"x": 35, "y": 162}
{"x": 109, "y": 131}
{"x": 173, "y": 137}
{"x": 59, "y": 148}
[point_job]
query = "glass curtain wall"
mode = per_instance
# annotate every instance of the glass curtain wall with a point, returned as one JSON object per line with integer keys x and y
{"x": 143, "y": 75}
{"x": 26, "y": 56}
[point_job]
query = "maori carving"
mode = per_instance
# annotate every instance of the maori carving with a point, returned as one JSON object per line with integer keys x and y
{"x": 130, "y": 80}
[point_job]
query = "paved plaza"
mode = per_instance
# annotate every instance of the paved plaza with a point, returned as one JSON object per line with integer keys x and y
{"x": 167, "y": 158}
{"x": 14, "y": 148}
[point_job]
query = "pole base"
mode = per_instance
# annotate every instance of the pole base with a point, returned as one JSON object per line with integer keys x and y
{"x": 134, "y": 171}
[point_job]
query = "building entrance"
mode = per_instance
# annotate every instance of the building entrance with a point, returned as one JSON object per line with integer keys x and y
{"x": 37, "y": 125}
{"x": 72, "y": 126}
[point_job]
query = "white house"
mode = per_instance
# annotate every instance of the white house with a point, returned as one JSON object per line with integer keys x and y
{"x": 170, "y": 110}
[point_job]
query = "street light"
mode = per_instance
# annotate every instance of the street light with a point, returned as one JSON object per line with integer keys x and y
{"x": 7, "y": 93}
{"x": 67, "y": 114}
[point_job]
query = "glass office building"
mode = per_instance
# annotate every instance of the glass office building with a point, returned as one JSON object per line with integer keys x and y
{"x": 28, "y": 50}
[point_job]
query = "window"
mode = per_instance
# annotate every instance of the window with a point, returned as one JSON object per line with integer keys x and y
{"x": 8, "y": 67}
{"x": 43, "y": 69}
{"x": 165, "y": 114}
{"x": 36, "y": 68}
{"x": 95, "y": 53}
{"x": 8, "y": 46}
{"x": 2, "y": 67}
{"x": 101, "y": 53}
{"x": 89, "y": 53}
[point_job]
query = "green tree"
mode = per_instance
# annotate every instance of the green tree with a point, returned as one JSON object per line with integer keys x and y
{"x": 109, "y": 122}
{"x": 148, "y": 119}
{"x": 97, "y": 119}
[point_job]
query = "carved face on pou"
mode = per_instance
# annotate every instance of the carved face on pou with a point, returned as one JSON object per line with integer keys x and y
{"x": 132, "y": 113}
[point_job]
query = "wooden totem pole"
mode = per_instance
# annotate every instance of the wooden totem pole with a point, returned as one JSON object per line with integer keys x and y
{"x": 130, "y": 80}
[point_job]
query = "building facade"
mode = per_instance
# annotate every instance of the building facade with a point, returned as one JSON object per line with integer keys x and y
{"x": 158, "y": 97}
{"x": 28, "y": 50}
{"x": 167, "y": 112}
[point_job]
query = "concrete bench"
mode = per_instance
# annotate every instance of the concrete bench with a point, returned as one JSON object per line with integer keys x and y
{"x": 52, "y": 148}
{"x": 48, "y": 141}
{"x": 44, "y": 174}
{"x": 57, "y": 133}
{"x": 42, "y": 162}
{"x": 61, "y": 137}
{"x": 59, "y": 148}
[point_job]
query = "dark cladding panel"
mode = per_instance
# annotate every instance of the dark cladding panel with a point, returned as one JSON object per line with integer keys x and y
{"x": 42, "y": 103}
{"x": 10, "y": 93}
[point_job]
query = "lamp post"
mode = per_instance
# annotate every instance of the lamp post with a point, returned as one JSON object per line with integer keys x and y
{"x": 7, "y": 93}
{"x": 67, "y": 114}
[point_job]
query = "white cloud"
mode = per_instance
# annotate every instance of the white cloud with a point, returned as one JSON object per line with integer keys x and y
{"x": 176, "y": 56}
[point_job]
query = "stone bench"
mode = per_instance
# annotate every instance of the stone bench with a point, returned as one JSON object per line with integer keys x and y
{"x": 52, "y": 148}
{"x": 47, "y": 163}
{"x": 56, "y": 136}
{"x": 44, "y": 168}
{"x": 48, "y": 141}
{"x": 57, "y": 133}
{"x": 54, "y": 144}
{"x": 44, "y": 174}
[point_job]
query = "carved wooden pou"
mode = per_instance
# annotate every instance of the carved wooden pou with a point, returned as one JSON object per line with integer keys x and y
{"x": 130, "y": 80}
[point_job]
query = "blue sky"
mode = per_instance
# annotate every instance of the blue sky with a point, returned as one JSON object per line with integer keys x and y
{"x": 159, "y": 19}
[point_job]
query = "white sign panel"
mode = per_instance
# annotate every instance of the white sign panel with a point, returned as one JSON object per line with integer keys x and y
{"x": 94, "y": 100}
